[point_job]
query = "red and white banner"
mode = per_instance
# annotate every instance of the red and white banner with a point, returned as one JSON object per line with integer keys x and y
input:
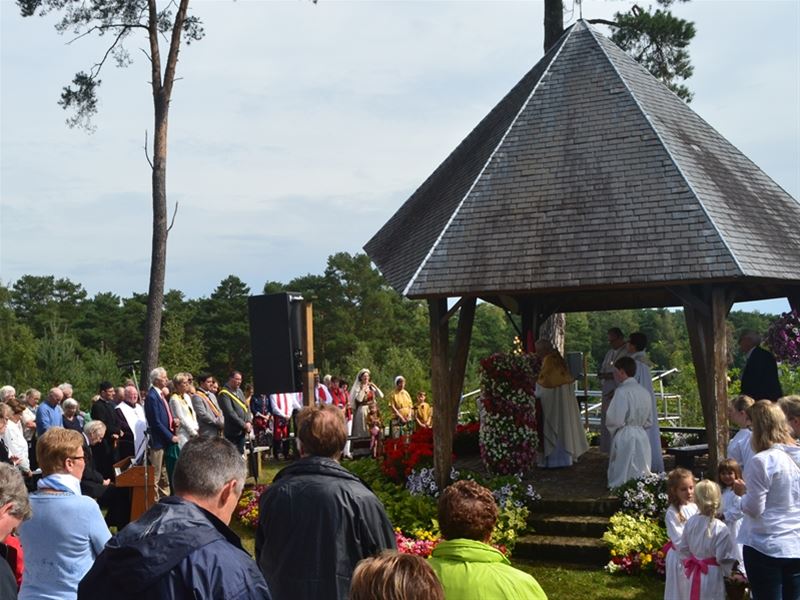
{"x": 284, "y": 405}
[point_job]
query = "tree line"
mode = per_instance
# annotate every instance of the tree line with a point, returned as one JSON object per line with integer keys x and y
{"x": 55, "y": 332}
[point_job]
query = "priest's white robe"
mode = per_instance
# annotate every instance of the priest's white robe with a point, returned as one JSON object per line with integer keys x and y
{"x": 137, "y": 422}
{"x": 707, "y": 537}
{"x": 564, "y": 437}
{"x": 628, "y": 414}
{"x": 645, "y": 379}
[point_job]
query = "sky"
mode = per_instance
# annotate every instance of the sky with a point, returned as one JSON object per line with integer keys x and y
{"x": 298, "y": 129}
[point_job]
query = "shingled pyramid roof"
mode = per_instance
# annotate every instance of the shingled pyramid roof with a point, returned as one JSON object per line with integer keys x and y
{"x": 590, "y": 173}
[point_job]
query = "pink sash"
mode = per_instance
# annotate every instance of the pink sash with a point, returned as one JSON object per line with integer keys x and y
{"x": 695, "y": 569}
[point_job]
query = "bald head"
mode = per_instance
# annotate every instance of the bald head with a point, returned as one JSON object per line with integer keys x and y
{"x": 54, "y": 396}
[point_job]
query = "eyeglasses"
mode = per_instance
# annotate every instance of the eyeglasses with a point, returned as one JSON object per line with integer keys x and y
{"x": 83, "y": 458}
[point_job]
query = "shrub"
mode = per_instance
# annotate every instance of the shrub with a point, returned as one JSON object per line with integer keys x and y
{"x": 645, "y": 495}
{"x": 635, "y": 544}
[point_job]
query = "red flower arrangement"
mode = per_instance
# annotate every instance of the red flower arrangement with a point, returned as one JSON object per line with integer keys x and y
{"x": 402, "y": 455}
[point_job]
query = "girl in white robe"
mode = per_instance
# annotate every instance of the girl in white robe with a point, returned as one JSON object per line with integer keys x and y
{"x": 731, "y": 507}
{"x": 680, "y": 489}
{"x": 706, "y": 545}
{"x": 739, "y": 448}
{"x": 627, "y": 416}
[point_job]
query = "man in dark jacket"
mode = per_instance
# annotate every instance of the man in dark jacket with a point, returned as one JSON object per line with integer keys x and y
{"x": 104, "y": 410}
{"x": 182, "y": 547}
{"x": 238, "y": 420}
{"x": 162, "y": 428}
{"x": 317, "y": 520}
{"x": 760, "y": 371}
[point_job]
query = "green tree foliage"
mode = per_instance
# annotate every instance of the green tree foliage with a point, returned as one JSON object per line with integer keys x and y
{"x": 359, "y": 321}
{"x": 659, "y": 41}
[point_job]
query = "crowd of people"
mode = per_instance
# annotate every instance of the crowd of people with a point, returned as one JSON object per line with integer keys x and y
{"x": 322, "y": 532}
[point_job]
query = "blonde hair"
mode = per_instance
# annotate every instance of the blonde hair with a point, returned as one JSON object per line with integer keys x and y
{"x": 55, "y": 447}
{"x": 674, "y": 479}
{"x": 769, "y": 426}
{"x": 790, "y": 406}
{"x": 707, "y": 497}
{"x": 395, "y": 576}
{"x": 742, "y": 402}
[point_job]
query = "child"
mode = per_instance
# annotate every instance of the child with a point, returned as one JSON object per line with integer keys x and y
{"x": 374, "y": 424}
{"x": 739, "y": 447}
{"x": 706, "y": 548}
{"x": 731, "y": 508}
{"x": 424, "y": 412}
{"x": 680, "y": 490}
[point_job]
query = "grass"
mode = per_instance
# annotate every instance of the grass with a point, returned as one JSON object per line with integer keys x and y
{"x": 564, "y": 582}
{"x": 576, "y": 582}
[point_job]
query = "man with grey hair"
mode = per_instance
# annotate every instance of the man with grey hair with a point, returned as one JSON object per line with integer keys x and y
{"x": 760, "y": 371}
{"x": 182, "y": 547}
{"x": 14, "y": 509}
{"x": 162, "y": 428}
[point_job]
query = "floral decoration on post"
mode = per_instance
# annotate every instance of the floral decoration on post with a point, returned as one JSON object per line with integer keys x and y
{"x": 783, "y": 337}
{"x": 507, "y": 436}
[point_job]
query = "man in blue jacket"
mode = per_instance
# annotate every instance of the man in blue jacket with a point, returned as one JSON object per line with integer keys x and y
{"x": 162, "y": 428}
{"x": 182, "y": 547}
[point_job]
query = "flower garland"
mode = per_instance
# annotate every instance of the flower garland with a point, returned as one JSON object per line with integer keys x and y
{"x": 507, "y": 436}
{"x": 783, "y": 337}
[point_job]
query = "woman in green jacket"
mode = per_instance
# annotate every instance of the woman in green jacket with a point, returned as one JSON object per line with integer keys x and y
{"x": 468, "y": 567}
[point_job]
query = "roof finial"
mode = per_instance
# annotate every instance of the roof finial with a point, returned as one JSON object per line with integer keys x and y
{"x": 580, "y": 9}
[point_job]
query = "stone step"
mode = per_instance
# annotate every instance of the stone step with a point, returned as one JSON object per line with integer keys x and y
{"x": 605, "y": 506}
{"x": 593, "y": 526}
{"x": 553, "y": 548}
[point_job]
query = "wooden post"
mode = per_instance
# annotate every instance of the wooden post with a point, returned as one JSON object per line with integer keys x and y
{"x": 717, "y": 447}
{"x": 308, "y": 345}
{"x": 794, "y": 300}
{"x": 705, "y": 321}
{"x": 447, "y": 379}
{"x": 440, "y": 382}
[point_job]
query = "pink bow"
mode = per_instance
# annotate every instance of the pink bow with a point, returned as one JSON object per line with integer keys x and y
{"x": 695, "y": 569}
{"x": 667, "y": 547}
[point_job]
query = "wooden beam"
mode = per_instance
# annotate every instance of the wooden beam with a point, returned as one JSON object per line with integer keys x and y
{"x": 308, "y": 344}
{"x": 687, "y": 298}
{"x": 794, "y": 300}
{"x": 442, "y": 399}
{"x": 717, "y": 425}
{"x": 460, "y": 353}
{"x": 449, "y": 314}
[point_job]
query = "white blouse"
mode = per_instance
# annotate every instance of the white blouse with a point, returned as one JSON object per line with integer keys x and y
{"x": 772, "y": 503}
{"x": 739, "y": 447}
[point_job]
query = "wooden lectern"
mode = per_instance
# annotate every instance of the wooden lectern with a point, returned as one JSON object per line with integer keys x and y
{"x": 134, "y": 477}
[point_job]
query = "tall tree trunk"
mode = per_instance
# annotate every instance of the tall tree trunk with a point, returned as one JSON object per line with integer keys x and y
{"x": 162, "y": 92}
{"x": 158, "y": 257}
{"x": 553, "y": 22}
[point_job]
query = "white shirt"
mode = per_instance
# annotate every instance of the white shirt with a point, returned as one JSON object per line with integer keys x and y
{"x": 16, "y": 444}
{"x": 607, "y": 368}
{"x": 739, "y": 447}
{"x": 772, "y": 503}
{"x": 28, "y": 416}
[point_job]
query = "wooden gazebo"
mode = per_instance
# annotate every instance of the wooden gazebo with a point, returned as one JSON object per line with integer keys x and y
{"x": 591, "y": 186}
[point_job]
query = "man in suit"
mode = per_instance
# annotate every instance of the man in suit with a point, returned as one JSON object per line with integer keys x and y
{"x": 162, "y": 428}
{"x": 760, "y": 371}
{"x": 238, "y": 420}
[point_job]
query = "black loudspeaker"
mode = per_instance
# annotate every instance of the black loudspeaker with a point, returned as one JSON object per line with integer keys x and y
{"x": 276, "y": 342}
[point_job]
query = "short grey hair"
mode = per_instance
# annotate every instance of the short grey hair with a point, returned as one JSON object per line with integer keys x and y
{"x": 753, "y": 336}
{"x": 66, "y": 387}
{"x": 6, "y": 392}
{"x": 69, "y": 403}
{"x": 156, "y": 373}
{"x": 93, "y": 428}
{"x": 205, "y": 465}
{"x": 12, "y": 491}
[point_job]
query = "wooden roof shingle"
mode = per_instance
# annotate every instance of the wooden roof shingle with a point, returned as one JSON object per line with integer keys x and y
{"x": 589, "y": 173}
